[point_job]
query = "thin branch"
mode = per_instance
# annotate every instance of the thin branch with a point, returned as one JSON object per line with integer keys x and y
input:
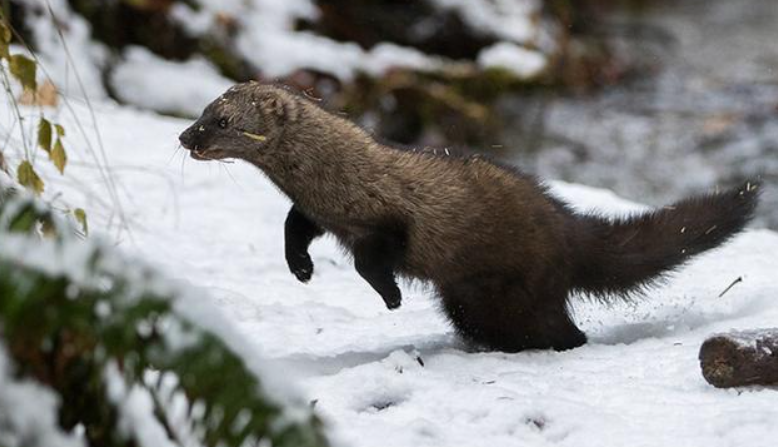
{"x": 104, "y": 169}
{"x": 17, "y": 112}
{"x": 738, "y": 280}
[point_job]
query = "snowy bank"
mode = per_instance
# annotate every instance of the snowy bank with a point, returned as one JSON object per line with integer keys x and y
{"x": 219, "y": 227}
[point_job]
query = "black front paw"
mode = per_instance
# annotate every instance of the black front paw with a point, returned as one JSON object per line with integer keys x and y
{"x": 393, "y": 300}
{"x": 301, "y": 266}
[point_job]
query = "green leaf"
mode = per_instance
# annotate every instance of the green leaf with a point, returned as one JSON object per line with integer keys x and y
{"x": 44, "y": 134}
{"x": 5, "y": 40}
{"x": 60, "y": 130}
{"x": 28, "y": 178}
{"x": 5, "y": 32}
{"x": 80, "y": 216}
{"x": 58, "y": 156}
{"x": 24, "y": 220}
{"x": 23, "y": 68}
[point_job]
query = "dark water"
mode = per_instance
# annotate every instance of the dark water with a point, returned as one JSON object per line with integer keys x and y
{"x": 702, "y": 114}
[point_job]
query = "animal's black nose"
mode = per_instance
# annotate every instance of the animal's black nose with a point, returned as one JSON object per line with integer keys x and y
{"x": 186, "y": 138}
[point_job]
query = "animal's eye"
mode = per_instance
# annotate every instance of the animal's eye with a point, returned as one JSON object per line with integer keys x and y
{"x": 223, "y": 123}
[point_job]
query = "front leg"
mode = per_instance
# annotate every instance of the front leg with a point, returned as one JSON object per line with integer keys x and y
{"x": 376, "y": 257}
{"x": 299, "y": 232}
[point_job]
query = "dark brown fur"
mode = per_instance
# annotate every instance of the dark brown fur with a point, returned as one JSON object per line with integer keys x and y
{"x": 503, "y": 254}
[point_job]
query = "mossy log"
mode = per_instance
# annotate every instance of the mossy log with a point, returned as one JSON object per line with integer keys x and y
{"x": 741, "y": 358}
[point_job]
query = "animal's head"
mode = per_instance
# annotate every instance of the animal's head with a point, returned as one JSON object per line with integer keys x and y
{"x": 245, "y": 122}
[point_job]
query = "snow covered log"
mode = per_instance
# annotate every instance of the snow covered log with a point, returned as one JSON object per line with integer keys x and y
{"x": 741, "y": 358}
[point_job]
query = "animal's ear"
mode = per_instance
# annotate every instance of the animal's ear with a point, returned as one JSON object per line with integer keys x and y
{"x": 274, "y": 105}
{"x": 282, "y": 106}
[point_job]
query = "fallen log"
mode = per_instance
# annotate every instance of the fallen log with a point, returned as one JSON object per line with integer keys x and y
{"x": 741, "y": 358}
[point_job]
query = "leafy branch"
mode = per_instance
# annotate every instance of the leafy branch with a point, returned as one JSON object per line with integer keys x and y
{"x": 49, "y": 135}
{"x": 94, "y": 331}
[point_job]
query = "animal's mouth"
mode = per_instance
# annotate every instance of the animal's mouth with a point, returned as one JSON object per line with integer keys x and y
{"x": 199, "y": 153}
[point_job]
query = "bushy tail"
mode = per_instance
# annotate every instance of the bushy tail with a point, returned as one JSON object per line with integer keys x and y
{"x": 626, "y": 255}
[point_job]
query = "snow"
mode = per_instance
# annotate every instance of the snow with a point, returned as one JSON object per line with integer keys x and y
{"x": 28, "y": 412}
{"x": 136, "y": 81}
{"x": 282, "y": 53}
{"x": 219, "y": 227}
{"x": 522, "y": 62}
{"x": 268, "y": 39}
{"x": 513, "y": 20}
{"x": 752, "y": 339}
{"x": 585, "y": 199}
{"x": 136, "y": 411}
{"x": 77, "y": 260}
{"x": 71, "y": 58}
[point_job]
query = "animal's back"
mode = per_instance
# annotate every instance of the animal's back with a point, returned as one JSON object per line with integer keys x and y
{"x": 468, "y": 213}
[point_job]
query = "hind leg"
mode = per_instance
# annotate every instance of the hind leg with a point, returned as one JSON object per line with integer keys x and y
{"x": 376, "y": 257}
{"x": 500, "y": 313}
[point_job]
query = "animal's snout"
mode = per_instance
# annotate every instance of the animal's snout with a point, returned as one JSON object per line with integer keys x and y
{"x": 187, "y": 138}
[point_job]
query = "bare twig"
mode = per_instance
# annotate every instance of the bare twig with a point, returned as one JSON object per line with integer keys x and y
{"x": 738, "y": 280}
{"x": 17, "y": 112}
{"x": 3, "y": 165}
{"x": 102, "y": 165}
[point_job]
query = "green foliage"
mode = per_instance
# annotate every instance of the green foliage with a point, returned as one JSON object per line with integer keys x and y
{"x": 23, "y": 69}
{"x": 5, "y": 40}
{"x": 44, "y": 134}
{"x": 80, "y": 216}
{"x": 27, "y": 177}
{"x": 58, "y": 156}
{"x": 56, "y": 150}
{"x": 27, "y": 216}
{"x": 71, "y": 331}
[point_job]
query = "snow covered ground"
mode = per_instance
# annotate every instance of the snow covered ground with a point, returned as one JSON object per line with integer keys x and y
{"x": 401, "y": 378}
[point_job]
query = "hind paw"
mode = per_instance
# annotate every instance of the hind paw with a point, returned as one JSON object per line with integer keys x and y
{"x": 393, "y": 300}
{"x": 301, "y": 266}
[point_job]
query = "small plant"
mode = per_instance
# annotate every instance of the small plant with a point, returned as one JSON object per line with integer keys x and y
{"x": 125, "y": 352}
{"x": 49, "y": 135}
